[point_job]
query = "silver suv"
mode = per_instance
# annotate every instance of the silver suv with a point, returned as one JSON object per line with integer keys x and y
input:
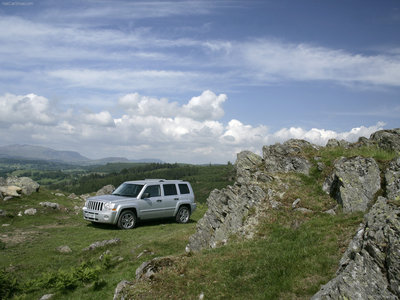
{"x": 142, "y": 200}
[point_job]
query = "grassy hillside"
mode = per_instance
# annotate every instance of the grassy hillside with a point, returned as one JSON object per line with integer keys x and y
{"x": 292, "y": 255}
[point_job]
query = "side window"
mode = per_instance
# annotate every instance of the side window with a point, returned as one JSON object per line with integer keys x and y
{"x": 183, "y": 188}
{"x": 170, "y": 189}
{"x": 153, "y": 190}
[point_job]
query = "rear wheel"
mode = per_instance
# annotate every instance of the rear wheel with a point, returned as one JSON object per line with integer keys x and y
{"x": 127, "y": 219}
{"x": 183, "y": 214}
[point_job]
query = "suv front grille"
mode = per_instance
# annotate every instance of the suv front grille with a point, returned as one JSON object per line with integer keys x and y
{"x": 94, "y": 205}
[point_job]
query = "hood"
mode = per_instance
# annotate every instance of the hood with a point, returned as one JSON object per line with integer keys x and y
{"x": 110, "y": 198}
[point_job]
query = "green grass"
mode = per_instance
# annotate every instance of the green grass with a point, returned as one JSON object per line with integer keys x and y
{"x": 30, "y": 259}
{"x": 288, "y": 263}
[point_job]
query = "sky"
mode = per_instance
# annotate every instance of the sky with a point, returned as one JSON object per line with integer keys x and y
{"x": 196, "y": 81}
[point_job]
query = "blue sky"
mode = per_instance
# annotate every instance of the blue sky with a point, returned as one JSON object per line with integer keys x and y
{"x": 196, "y": 81}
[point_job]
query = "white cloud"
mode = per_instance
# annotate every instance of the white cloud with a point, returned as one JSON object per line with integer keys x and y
{"x": 23, "y": 109}
{"x": 207, "y": 106}
{"x": 103, "y": 118}
{"x": 274, "y": 60}
{"x": 150, "y": 127}
{"x": 321, "y": 136}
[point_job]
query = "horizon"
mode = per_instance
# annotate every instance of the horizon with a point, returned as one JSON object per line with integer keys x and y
{"x": 196, "y": 81}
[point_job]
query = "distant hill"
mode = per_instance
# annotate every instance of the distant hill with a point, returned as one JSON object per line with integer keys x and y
{"x": 43, "y": 153}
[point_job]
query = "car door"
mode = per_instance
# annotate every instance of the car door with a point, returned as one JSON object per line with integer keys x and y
{"x": 170, "y": 199}
{"x": 151, "y": 207}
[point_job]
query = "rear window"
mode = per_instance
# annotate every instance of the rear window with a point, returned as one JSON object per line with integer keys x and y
{"x": 183, "y": 188}
{"x": 170, "y": 189}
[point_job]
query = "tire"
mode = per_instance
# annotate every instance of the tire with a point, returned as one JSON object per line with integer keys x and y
{"x": 127, "y": 220}
{"x": 183, "y": 215}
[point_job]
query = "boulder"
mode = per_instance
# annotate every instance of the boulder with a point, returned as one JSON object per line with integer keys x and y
{"x": 392, "y": 178}
{"x": 27, "y": 185}
{"x": 30, "y": 211}
{"x": 10, "y": 191}
{"x": 370, "y": 267}
{"x": 353, "y": 183}
{"x": 227, "y": 214}
{"x": 387, "y": 139}
{"x": 105, "y": 190}
{"x": 335, "y": 143}
{"x": 50, "y": 204}
{"x": 287, "y": 157}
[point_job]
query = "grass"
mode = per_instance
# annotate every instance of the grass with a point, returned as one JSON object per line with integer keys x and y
{"x": 32, "y": 264}
{"x": 288, "y": 263}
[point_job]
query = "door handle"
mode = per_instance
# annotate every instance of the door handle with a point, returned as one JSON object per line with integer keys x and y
{"x": 176, "y": 198}
{"x": 159, "y": 200}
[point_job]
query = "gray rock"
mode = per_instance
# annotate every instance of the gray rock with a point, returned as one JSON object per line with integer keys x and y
{"x": 246, "y": 163}
{"x": 353, "y": 183}
{"x": 2, "y": 213}
{"x": 148, "y": 269}
{"x": 59, "y": 194}
{"x": 392, "y": 178}
{"x": 30, "y": 211}
{"x": 331, "y": 212}
{"x": 27, "y": 185}
{"x": 295, "y": 202}
{"x": 119, "y": 290}
{"x": 84, "y": 196}
{"x": 387, "y": 139}
{"x": 303, "y": 210}
{"x": 72, "y": 196}
{"x": 3, "y": 181}
{"x": 102, "y": 244}
{"x": 50, "y": 204}
{"x": 47, "y": 297}
{"x": 335, "y": 143}
{"x": 105, "y": 190}
{"x": 287, "y": 157}
{"x": 10, "y": 191}
{"x": 64, "y": 249}
{"x": 227, "y": 214}
{"x": 370, "y": 267}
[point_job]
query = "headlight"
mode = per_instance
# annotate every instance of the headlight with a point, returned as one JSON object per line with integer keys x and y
{"x": 108, "y": 205}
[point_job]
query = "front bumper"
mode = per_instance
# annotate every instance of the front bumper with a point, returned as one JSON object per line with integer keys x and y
{"x": 99, "y": 216}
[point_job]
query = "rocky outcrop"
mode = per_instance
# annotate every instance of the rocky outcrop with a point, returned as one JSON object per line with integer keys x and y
{"x": 226, "y": 215}
{"x": 353, "y": 183}
{"x": 287, "y": 157}
{"x": 105, "y": 190}
{"x": 370, "y": 268}
{"x": 246, "y": 164}
{"x": 392, "y": 178}
{"x": 387, "y": 139}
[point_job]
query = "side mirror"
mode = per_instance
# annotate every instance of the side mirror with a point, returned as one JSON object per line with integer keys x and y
{"x": 145, "y": 195}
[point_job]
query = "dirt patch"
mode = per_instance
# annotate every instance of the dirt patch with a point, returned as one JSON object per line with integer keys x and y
{"x": 18, "y": 236}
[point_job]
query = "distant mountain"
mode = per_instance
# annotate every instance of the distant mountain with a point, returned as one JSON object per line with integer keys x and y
{"x": 43, "y": 153}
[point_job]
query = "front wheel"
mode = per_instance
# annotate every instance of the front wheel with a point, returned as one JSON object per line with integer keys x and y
{"x": 127, "y": 220}
{"x": 183, "y": 214}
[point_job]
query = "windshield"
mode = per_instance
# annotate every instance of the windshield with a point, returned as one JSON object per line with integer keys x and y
{"x": 128, "y": 190}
